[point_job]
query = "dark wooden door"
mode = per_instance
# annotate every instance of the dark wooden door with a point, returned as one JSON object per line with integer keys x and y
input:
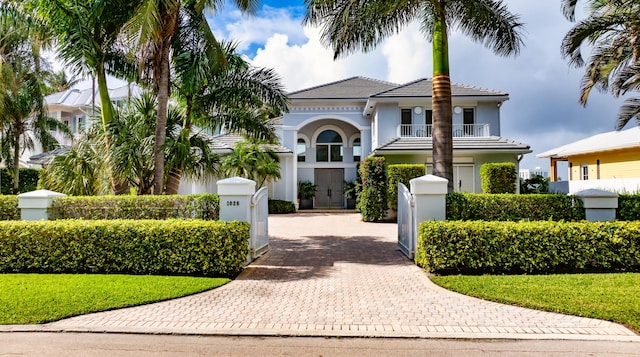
{"x": 330, "y": 189}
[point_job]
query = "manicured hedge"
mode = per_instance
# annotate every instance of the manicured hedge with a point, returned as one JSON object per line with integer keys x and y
{"x": 9, "y": 208}
{"x": 373, "y": 195}
{"x": 28, "y": 181}
{"x": 203, "y": 206}
{"x": 508, "y": 207}
{"x": 182, "y": 247}
{"x": 401, "y": 173}
{"x": 498, "y": 177}
{"x": 281, "y": 207}
{"x": 528, "y": 247}
{"x": 628, "y": 207}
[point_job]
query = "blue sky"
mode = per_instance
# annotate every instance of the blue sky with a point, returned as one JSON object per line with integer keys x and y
{"x": 543, "y": 109}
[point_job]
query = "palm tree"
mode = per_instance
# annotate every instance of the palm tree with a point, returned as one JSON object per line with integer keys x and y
{"x": 58, "y": 81}
{"x": 22, "y": 110}
{"x": 252, "y": 160}
{"x": 153, "y": 29}
{"x": 613, "y": 30}
{"x": 349, "y": 25}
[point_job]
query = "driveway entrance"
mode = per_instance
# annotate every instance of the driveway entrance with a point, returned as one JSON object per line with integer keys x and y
{"x": 334, "y": 275}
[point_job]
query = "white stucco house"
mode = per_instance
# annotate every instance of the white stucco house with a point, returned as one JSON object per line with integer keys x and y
{"x": 331, "y": 127}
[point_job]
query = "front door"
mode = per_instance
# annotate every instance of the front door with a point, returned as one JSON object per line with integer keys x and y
{"x": 329, "y": 193}
{"x": 463, "y": 178}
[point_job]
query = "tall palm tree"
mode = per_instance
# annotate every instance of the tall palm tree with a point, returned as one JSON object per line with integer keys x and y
{"x": 153, "y": 29}
{"x": 349, "y": 25}
{"x": 612, "y": 29}
{"x": 23, "y": 115}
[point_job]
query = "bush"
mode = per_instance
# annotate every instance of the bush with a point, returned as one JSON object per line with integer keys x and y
{"x": 203, "y": 206}
{"x": 9, "y": 208}
{"x": 498, "y": 177}
{"x": 401, "y": 173}
{"x": 628, "y": 207}
{"x": 182, "y": 247}
{"x": 373, "y": 196}
{"x": 280, "y": 206}
{"x": 509, "y": 207}
{"x": 28, "y": 181}
{"x": 528, "y": 247}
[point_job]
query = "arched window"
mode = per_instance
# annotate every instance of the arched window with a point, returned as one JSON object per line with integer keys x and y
{"x": 329, "y": 147}
{"x": 357, "y": 150}
{"x": 302, "y": 150}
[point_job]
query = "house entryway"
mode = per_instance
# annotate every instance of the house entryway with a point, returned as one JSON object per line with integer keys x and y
{"x": 330, "y": 190}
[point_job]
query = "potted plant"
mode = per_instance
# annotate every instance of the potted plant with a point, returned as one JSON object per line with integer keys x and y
{"x": 306, "y": 192}
{"x": 349, "y": 188}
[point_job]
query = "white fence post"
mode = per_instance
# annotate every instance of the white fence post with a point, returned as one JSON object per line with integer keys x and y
{"x": 429, "y": 193}
{"x": 34, "y": 205}
{"x": 599, "y": 205}
{"x": 235, "y": 199}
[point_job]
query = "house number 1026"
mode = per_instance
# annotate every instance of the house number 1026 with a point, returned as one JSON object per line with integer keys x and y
{"x": 233, "y": 203}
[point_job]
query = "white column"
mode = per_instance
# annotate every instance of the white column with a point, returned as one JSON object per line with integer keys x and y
{"x": 599, "y": 205}
{"x": 235, "y": 198}
{"x": 429, "y": 194}
{"x": 34, "y": 205}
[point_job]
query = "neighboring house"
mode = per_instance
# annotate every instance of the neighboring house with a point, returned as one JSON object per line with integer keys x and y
{"x": 608, "y": 161}
{"x": 331, "y": 127}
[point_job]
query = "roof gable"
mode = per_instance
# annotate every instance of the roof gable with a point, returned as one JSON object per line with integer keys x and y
{"x": 422, "y": 88}
{"x": 351, "y": 88}
{"x": 613, "y": 140}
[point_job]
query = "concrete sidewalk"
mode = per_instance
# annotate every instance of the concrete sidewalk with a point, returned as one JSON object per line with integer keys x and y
{"x": 333, "y": 275}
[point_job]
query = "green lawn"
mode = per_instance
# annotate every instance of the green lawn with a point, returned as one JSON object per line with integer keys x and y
{"x": 613, "y": 297}
{"x": 38, "y": 298}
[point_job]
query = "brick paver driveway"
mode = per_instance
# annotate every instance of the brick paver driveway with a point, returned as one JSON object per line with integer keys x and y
{"x": 333, "y": 275}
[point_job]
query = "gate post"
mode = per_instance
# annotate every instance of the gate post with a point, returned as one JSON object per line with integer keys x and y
{"x": 235, "y": 198}
{"x": 429, "y": 194}
{"x": 35, "y": 205}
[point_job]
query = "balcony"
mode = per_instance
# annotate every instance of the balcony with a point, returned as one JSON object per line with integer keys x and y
{"x": 459, "y": 130}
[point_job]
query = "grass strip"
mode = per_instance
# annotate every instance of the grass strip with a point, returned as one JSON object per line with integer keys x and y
{"x": 612, "y": 297}
{"x": 40, "y": 298}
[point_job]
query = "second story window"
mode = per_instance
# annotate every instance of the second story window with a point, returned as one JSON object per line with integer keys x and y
{"x": 329, "y": 147}
{"x": 468, "y": 119}
{"x": 584, "y": 168}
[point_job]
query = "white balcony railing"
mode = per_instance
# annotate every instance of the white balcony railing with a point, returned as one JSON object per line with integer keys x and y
{"x": 459, "y": 130}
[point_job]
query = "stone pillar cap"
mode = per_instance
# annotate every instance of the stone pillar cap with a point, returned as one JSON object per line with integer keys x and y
{"x": 41, "y": 194}
{"x": 595, "y": 193}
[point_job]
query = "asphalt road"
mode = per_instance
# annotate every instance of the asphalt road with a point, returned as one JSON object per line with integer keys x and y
{"x": 95, "y": 344}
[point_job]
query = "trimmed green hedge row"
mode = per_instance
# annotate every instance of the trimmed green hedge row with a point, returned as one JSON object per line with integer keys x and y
{"x": 498, "y": 177}
{"x": 373, "y": 194}
{"x": 28, "y": 181}
{"x": 628, "y": 208}
{"x": 9, "y": 208}
{"x": 171, "y": 247}
{"x": 203, "y": 206}
{"x": 528, "y": 247}
{"x": 397, "y": 173}
{"x": 508, "y": 207}
{"x": 281, "y": 207}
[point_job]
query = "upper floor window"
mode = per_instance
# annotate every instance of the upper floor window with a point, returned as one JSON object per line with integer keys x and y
{"x": 302, "y": 150}
{"x": 428, "y": 117}
{"x": 468, "y": 119}
{"x": 405, "y": 116}
{"x": 584, "y": 171}
{"x": 329, "y": 147}
{"x": 357, "y": 150}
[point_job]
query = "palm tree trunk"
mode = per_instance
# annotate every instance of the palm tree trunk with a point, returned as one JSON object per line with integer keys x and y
{"x": 161, "y": 124}
{"x": 441, "y": 97}
{"x": 106, "y": 107}
{"x": 173, "y": 181}
{"x": 16, "y": 161}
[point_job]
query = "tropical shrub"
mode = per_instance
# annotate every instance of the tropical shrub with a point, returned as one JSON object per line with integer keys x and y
{"x": 499, "y": 177}
{"x": 528, "y": 247}
{"x": 184, "y": 247}
{"x": 628, "y": 207}
{"x": 202, "y": 206}
{"x": 508, "y": 207}
{"x": 281, "y": 206}
{"x": 9, "y": 208}
{"x": 373, "y": 196}
{"x": 28, "y": 181}
{"x": 401, "y": 173}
